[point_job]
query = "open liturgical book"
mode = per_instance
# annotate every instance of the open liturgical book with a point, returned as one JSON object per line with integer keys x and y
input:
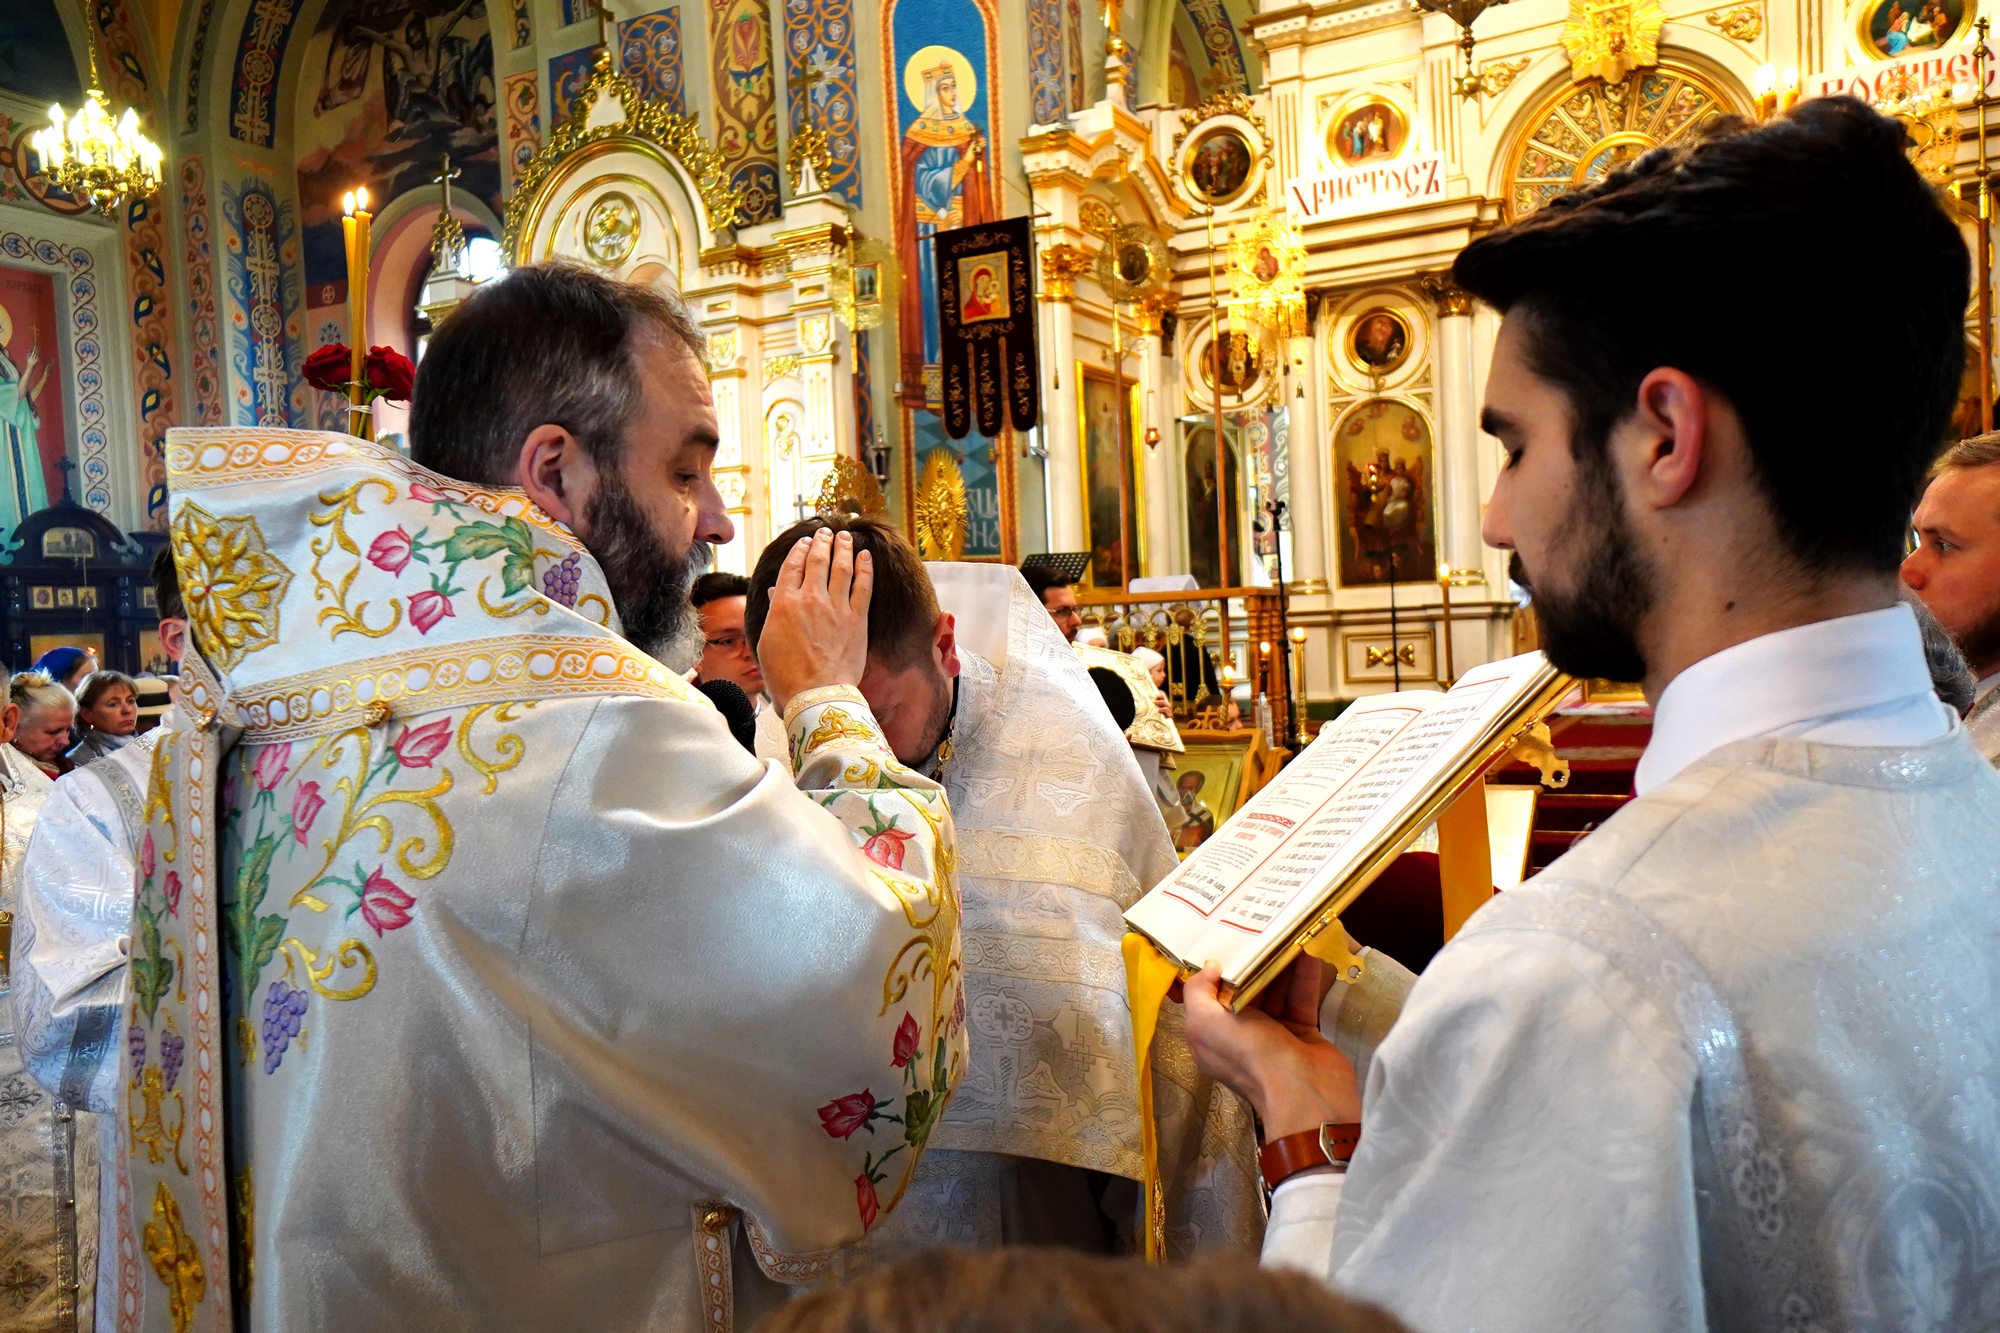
{"x": 1273, "y": 879}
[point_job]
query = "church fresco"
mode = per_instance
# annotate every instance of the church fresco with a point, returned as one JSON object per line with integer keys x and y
{"x": 33, "y": 428}
{"x": 745, "y": 100}
{"x": 939, "y": 68}
{"x": 385, "y": 87}
{"x": 819, "y": 58}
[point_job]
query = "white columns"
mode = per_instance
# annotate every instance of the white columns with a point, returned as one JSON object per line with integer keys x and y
{"x": 1458, "y": 420}
{"x": 1060, "y": 266}
{"x": 1306, "y": 566}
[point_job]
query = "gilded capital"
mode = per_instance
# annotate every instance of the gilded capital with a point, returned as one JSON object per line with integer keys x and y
{"x": 1450, "y": 298}
{"x": 1062, "y": 265}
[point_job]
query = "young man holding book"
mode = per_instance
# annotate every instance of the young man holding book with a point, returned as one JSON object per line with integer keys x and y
{"x": 1731, "y": 1062}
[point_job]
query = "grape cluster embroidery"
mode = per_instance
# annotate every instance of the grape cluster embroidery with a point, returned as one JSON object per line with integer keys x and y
{"x": 284, "y": 1007}
{"x": 560, "y": 581}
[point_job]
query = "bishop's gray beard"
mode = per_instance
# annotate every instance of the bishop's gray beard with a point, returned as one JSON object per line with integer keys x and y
{"x": 1591, "y": 629}
{"x": 649, "y": 584}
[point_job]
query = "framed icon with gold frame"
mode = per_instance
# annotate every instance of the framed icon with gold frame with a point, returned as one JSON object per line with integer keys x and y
{"x": 1379, "y": 341}
{"x": 1367, "y": 127}
{"x": 1220, "y": 165}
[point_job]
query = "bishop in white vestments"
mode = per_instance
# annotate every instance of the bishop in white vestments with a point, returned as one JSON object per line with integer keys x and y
{"x": 480, "y": 979}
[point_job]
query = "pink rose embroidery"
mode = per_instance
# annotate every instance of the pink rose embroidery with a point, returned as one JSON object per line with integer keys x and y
{"x": 864, "y": 1196}
{"x": 172, "y": 889}
{"x": 843, "y": 1115}
{"x": 419, "y": 747}
{"x": 886, "y": 847}
{"x": 305, "y": 809}
{"x": 390, "y": 551}
{"x": 427, "y": 608}
{"x": 146, "y": 861}
{"x": 383, "y": 905}
{"x": 419, "y": 491}
{"x": 272, "y": 764}
{"x": 909, "y": 1038}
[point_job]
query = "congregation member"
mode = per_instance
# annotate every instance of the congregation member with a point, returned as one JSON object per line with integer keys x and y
{"x": 47, "y": 1160}
{"x": 1729, "y": 1063}
{"x": 72, "y": 929}
{"x": 47, "y": 711}
{"x": 1057, "y": 835}
{"x": 1057, "y": 596}
{"x": 542, "y": 1003}
{"x": 68, "y": 666}
{"x": 1955, "y": 569}
{"x": 718, "y": 598}
{"x": 107, "y": 712}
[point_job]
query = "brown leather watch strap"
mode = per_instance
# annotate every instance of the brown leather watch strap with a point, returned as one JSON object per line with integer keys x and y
{"x": 1329, "y": 1145}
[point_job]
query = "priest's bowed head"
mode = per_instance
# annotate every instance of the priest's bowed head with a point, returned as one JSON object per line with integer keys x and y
{"x": 1711, "y": 1068}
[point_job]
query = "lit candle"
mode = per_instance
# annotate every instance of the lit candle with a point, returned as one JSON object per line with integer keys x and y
{"x": 1767, "y": 97}
{"x": 1444, "y": 632}
{"x": 1788, "y": 97}
{"x": 354, "y": 204}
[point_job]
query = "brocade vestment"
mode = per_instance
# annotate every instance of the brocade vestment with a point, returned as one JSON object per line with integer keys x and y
{"x": 1058, "y": 833}
{"x": 72, "y": 928}
{"x": 48, "y": 1154}
{"x": 480, "y": 978}
{"x": 1729, "y": 1064}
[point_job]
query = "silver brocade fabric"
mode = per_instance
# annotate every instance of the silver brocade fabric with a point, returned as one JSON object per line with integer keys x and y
{"x": 1731, "y": 1064}
{"x": 1058, "y": 833}
{"x": 72, "y": 929}
{"x": 1983, "y": 722}
{"x": 48, "y": 1152}
{"x": 498, "y": 1012}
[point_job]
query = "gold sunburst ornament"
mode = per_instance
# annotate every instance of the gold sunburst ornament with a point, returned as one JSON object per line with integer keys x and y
{"x": 941, "y": 511}
{"x": 1608, "y": 39}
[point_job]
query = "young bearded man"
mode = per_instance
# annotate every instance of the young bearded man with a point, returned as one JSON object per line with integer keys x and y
{"x": 1956, "y": 569}
{"x": 1058, "y": 597}
{"x": 1730, "y": 1063}
{"x": 1058, "y": 833}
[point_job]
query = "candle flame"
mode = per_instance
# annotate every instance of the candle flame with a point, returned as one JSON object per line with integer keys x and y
{"x": 361, "y": 198}
{"x": 347, "y": 203}
{"x": 1791, "y": 78}
{"x": 1767, "y": 80}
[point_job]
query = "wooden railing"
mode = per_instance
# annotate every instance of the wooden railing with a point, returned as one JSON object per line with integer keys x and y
{"x": 1193, "y": 631}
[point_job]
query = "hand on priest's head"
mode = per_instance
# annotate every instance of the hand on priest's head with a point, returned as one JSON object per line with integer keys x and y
{"x": 590, "y": 395}
{"x": 1665, "y": 495}
{"x": 910, "y": 645}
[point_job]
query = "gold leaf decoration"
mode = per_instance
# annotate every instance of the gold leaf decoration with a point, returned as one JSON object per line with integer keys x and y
{"x": 231, "y": 582}
{"x": 941, "y": 511}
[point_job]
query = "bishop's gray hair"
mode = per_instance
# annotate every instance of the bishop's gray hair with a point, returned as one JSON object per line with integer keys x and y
{"x": 1950, "y": 676}
{"x": 549, "y": 344}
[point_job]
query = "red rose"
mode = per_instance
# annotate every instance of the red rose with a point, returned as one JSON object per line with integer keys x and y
{"x": 886, "y": 847}
{"x": 427, "y": 608}
{"x": 909, "y": 1038}
{"x": 417, "y": 747}
{"x": 306, "y": 803}
{"x": 428, "y": 494}
{"x": 271, "y": 765}
{"x": 843, "y": 1115}
{"x": 146, "y": 856}
{"x": 390, "y": 551}
{"x": 864, "y": 1197}
{"x": 383, "y": 905}
{"x": 329, "y": 367}
{"x": 172, "y": 888}
{"x": 390, "y": 373}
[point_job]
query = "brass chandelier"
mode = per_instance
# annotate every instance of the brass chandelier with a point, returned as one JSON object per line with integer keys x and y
{"x": 91, "y": 157}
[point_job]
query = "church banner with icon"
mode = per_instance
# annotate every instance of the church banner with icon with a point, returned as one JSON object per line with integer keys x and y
{"x": 986, "y": 326}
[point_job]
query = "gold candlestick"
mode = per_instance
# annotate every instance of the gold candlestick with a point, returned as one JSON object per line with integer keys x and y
{"x": 355, "y": 227}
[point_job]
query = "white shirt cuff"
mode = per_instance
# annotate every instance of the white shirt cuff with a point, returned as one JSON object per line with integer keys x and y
{"x": 1299, "y": 1233}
